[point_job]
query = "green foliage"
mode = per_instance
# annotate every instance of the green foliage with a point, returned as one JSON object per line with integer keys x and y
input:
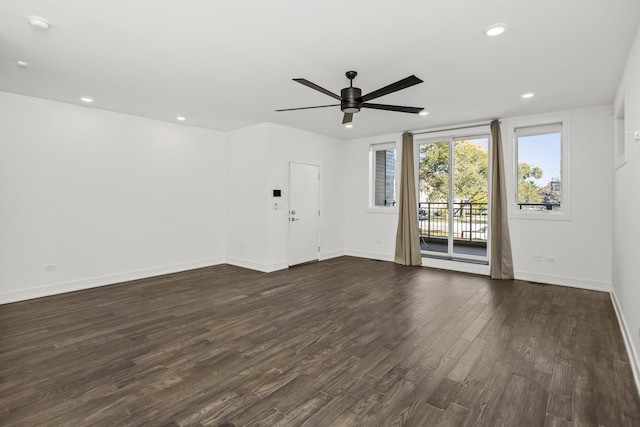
{"x": 471, "y": 172}
{"x": 470, "y": 182}
{"x": 528, "y": 190}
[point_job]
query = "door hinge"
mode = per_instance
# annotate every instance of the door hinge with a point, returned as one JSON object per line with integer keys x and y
{"x": 318, "y": 248}
{"x": 318, "y": 212}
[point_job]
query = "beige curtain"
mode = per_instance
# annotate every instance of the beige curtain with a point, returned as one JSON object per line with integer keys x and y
{"x": 407, "y": 238}
{"x": 501, "y": 260}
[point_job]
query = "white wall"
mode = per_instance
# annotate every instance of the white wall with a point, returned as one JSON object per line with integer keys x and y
{"x": 247, "y": 195}
{"x": 580, "y": 246}
{"x": 577, "y": 263}
{"x": 258, "y": 162}
{"x": 626, "y": 237}
{"x": 104, "y": 197}
{"x": 371, "y": 233}
{"x": 292, "y": 145}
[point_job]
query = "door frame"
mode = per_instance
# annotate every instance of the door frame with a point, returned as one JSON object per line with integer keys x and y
{"x": 451, "y": 136}
{"x": 289, "y": 209}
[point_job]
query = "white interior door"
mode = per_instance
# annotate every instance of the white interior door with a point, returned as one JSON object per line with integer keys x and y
{"x": 304, "y": 213}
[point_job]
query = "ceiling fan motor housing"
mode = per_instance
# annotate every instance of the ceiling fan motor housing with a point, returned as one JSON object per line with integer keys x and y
{"x": 351, "y": 101}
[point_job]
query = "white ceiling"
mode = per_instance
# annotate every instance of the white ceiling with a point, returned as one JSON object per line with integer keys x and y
{"x": 229, "y": 64}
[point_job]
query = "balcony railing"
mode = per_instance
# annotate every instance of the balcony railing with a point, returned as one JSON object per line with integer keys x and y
{"x": 469, "y": 221}
{"x": 539, "y": 206}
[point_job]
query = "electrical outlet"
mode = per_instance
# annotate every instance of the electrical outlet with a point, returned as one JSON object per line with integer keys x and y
{"x": 50, "y": 267}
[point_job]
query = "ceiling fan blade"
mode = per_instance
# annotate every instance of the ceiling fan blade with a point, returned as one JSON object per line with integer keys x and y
{"x": 308, "y": 108}
{"x": 348, "y": 118}
{"x": 413, "y": 110}
{"x": 393, "y": 87}
{"x": 318, "y": 88}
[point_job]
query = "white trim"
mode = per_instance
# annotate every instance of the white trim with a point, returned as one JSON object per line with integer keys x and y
{"x": 383, "y": 210}
{"x": 264, "y": 268}
{"x": 370, "y": 255}
{"x": 373, "y": 149}
{"x": 459, "y": 266}
{"x": 620, "y": 130}
{"x": 275, "y": 267}
{"x": 95, "y": 282}
{"x": 330, "y": 255}
{"x": 452, "y": 128}
{"x": 633, "y": 356}
{"x": 466, "y": 132}
{"x": 572, "y": 282}
{"x": 511, "y": 151}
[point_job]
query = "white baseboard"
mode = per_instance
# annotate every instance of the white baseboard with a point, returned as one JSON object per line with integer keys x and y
{"x": 329, "y": 255}
{"x": 94, "y": 282}
{"x": 264, "y": 268}
{"x": 465, "y": 267}
{"x": 572, "y": 282}
{"x": 626, "y": 335}
{"x": 370, "y": 255}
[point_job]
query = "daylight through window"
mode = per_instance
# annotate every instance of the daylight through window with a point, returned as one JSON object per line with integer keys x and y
{"x": 539, "y": 168}
{"x": 383, "y": 161}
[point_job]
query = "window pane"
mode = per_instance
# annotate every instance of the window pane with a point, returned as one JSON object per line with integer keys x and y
{"x": 433, "y": 209}
{"x": 385, "y": 178}
{"x": 470, "y": 196}
{"x": 539, "y": 171}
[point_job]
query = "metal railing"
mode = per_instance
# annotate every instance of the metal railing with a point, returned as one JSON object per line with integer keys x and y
{"x": 469, "y": 221}
{"x": 539, "y": 206}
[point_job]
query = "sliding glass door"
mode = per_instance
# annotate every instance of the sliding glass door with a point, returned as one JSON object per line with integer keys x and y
{"x": 453, "y": 212}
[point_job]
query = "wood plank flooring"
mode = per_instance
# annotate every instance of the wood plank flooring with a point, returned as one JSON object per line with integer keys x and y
{"x": 344, "y": 342}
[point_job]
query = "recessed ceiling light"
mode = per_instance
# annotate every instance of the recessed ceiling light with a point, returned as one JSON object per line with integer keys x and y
{"x": 348, "y": 125}
{"x": 424, "y": 113}
{"x": 87, "y": 100}
{"x": 527, "y": 95}
{"x": 22, "y": 64}
{"x": 495, "y": 30}
{"x": 181, "y": 118}
{"x": 38, "y": 22}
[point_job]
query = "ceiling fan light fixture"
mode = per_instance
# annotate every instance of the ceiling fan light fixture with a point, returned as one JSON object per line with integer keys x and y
{"x": 348, "y": 125}
{"x": 527, "y": 95}
{"x": 86, "y": 99}
{"x": 423, "y": 113}
{"x": 351, "y": 110}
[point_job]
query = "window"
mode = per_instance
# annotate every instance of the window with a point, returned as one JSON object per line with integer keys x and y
{"x": 383, "y": 172}
{"x": 541, "y": 177}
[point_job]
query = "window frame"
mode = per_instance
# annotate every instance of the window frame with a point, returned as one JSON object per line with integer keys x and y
{"x": 373, "y": 149}
{"x": 621, "y": 133}
{"x": 565, "y": 174}
{"x": 451, "y": 136}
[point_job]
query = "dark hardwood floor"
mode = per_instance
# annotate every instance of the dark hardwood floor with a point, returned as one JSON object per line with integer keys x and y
{"x": 342, "y": 342}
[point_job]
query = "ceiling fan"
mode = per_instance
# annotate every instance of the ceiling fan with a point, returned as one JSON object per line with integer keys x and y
{"x": 351, "y": 99}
